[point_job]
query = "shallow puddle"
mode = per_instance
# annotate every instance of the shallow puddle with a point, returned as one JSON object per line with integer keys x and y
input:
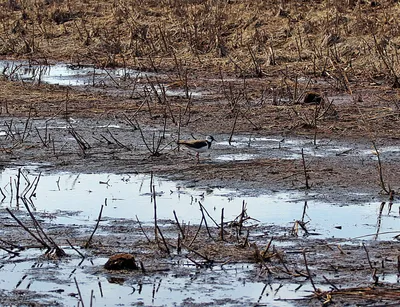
{"x": 123, "y": 79}
{"x": 63, "y": 74}
{"x": 127, "y": 195}
{"x": 228, "y": 285}
{"x": 252, "y": 147}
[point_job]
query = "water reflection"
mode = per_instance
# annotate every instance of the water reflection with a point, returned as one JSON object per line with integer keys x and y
{"x": 129, "y": 195}
{"x": 121, "y": 80}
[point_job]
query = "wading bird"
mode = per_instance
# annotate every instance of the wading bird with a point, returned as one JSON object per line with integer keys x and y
{"x": 198, "y": 145}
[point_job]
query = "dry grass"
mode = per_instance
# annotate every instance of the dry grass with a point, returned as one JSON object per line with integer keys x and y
{"x": 348, "y": 47}
{"x": 342, "y": 38}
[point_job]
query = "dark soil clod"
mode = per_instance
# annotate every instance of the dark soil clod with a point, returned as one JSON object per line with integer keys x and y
{"x": 121, "y": 262}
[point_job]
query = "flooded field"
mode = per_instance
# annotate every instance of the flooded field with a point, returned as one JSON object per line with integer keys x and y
{"x": 231, "y": 285}
{"x": 295, "y": 203}
{"x": 74, "y": 200}
{"x": 129, "y": 195}
{"x": 269, "y": 219}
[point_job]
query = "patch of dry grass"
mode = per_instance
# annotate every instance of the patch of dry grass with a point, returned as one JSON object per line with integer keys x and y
{"x": 246, "y": 37}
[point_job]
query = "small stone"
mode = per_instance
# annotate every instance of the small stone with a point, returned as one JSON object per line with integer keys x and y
{"x": 121, "y": 262}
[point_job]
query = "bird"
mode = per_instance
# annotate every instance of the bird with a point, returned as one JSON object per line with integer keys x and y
{"x": 198, "y": 145}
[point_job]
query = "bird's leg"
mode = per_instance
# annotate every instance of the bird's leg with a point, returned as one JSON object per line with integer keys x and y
{"x": 198, "y": 159}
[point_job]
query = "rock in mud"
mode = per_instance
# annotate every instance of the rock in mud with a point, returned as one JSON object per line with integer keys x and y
{"x": 313, "y": 98}
{"x": 121, "y": 262}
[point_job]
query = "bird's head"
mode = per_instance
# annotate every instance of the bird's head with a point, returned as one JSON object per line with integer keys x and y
{"x": 210, "y": 138}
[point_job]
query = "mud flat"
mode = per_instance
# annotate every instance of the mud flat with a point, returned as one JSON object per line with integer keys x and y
{"x": 306, "y": 217}
{"x": 267, "y": 239}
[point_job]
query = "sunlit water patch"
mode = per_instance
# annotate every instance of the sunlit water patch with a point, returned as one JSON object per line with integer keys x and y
{"x": 88, "y": 76}
{"x": 284, "y": 148}
{"x": 128, "y": 195}
{"x": 237, "y": 157}
{"x": 250, "y": 147}
{"x": 228, "y": 285}
{"x": 64, "y": 74}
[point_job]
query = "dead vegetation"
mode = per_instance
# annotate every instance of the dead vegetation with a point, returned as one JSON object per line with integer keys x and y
{"x": 320, "y": 68}
{"x": 345, "y": 40}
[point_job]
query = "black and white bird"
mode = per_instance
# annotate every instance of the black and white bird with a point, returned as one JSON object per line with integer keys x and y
{"x": 198, "y": 145}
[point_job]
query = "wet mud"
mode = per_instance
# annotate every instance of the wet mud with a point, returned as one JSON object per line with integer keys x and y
{"x": 101, "y": 130}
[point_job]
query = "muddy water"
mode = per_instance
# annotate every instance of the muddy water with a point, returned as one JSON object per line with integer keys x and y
{"x": 128, "y": 196}
{"x": 229, "y": 285}
{"x": 64, "y": 74}
{"x": 66, "y": 199}
{"x": 124, "y": 80}
{"x": 255, "y": 147}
